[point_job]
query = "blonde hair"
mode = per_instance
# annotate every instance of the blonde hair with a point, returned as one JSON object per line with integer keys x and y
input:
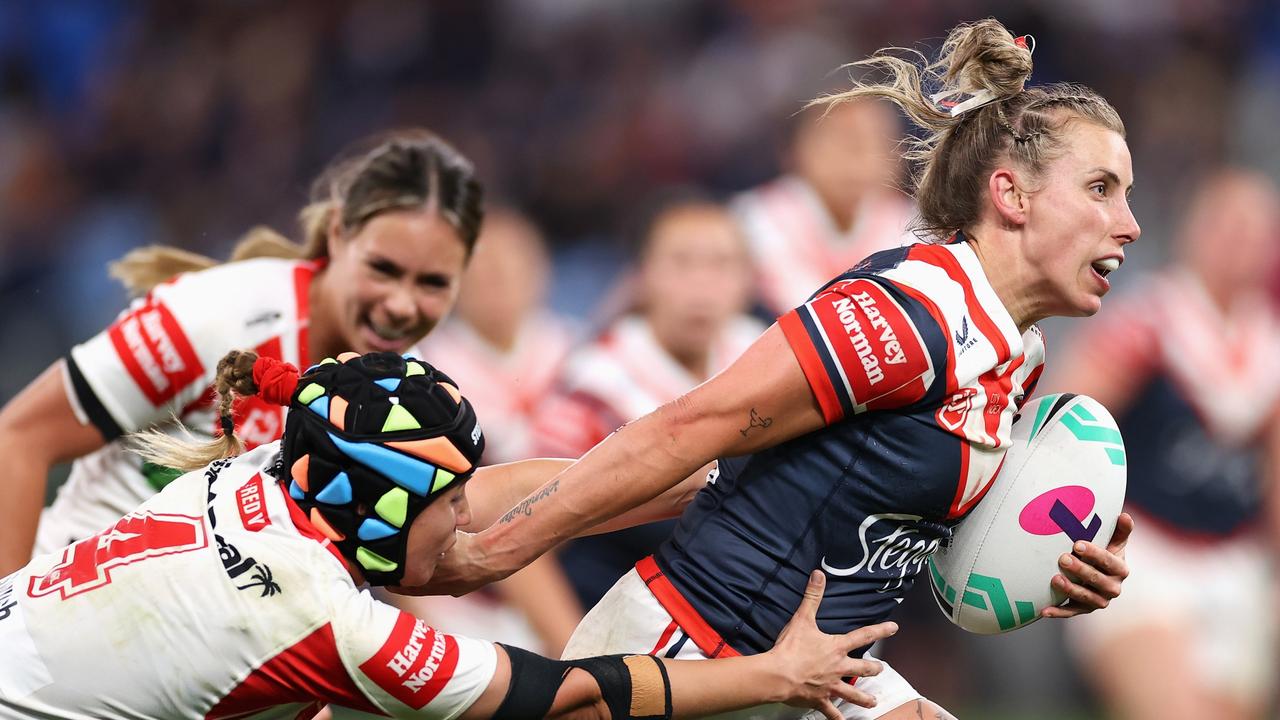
{"x": 234, "y": 377}
{"x": 956, "y": 154}
{"x": 401, "y": 170}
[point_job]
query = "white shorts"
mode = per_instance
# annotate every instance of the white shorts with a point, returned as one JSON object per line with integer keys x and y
{"x": 629, "y": 619}
{"x": 1220, "y": 594}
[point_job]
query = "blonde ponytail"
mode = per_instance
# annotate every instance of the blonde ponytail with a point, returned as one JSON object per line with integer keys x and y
{"x": 234, "y": 375}
{"x": 146, "y": 267}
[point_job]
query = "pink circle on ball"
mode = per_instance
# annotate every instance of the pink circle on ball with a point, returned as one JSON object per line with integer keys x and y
{"x": 1035, "y": 516}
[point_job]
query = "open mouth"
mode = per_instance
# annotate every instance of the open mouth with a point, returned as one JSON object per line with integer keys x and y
{"x": 1105, "y": 266}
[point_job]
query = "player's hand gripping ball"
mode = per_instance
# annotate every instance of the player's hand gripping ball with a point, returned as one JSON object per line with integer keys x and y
{"x": 1063, "y": 480}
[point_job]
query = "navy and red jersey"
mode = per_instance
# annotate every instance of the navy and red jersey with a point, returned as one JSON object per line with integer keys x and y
{"x": 1204, "y": 393}
{"x": 918, "y": 369}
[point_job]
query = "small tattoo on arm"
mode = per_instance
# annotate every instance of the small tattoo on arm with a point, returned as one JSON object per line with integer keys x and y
{"x": 526, "y": 506}
{"x": 756, "y": 422}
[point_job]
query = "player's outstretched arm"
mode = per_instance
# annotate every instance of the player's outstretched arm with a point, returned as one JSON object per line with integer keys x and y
{"x": 759, "y": 401}
{"x": 805, "y": 669}
{"x": 38, "y": 428}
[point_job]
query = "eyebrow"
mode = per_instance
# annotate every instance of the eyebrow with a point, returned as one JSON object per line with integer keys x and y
{"x": 1114, "y": 178}
{"x": 434, "y": 278}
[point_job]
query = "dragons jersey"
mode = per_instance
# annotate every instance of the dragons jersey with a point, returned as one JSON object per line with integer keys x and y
{"x": 504, "y": 386}
{"x": 796, "y": 246}
{"x": 217, "y": 598}
{"x": 158, "y": 360}
{"x": 621, "y": 375}
{"x": 1205, "y": 392}
{"x": 918, "y": 369}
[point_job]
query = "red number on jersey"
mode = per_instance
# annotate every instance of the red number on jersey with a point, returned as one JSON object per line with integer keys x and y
{"x": 87, "y": 564}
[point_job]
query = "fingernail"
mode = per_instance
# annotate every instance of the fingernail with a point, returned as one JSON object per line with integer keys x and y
{"x": 816, "y": 576}
{"x": 1081, "y": 547}
{"x": 893, "y": 629}
{"x": 1066, "y": 561}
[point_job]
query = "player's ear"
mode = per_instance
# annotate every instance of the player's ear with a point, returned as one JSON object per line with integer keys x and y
{"x": 1007, "y": 197}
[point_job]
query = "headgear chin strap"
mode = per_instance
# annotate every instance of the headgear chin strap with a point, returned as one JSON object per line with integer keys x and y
{"x": 370, "y": 441}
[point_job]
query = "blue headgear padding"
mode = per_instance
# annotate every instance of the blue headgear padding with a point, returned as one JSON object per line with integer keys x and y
{"x": 337, "y": 492}
{"x": 409, "y": 473}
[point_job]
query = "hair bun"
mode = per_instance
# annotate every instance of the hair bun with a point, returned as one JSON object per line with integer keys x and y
{"x": 985, "y": 56}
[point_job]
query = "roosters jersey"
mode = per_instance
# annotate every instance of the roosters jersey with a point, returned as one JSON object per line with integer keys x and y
{"x": 504, "y": 386}
{"x": 158, "y": 360}
{"x": 1205, "y": 392}
{"x": 918, "y": 369}
{"x": 621, "y": 375}
{"x": 797, "y": 247}
{"x": 218, "y": 599}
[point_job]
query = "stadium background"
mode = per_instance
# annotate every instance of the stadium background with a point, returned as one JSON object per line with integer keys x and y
{"x": 128, "y": 123}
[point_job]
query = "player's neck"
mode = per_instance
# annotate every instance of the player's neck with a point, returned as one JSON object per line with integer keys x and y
{"x": 1006, "y": 273}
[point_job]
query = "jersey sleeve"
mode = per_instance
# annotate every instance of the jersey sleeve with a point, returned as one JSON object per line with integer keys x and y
{"x": 157, "y": 357}
{"x": 865, "y": 344}
{"x": 405, "y": 666}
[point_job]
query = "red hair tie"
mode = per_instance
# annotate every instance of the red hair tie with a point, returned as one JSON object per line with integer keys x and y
{"x": 276, "y": 380}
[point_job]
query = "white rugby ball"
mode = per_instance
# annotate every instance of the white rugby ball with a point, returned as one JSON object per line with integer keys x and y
{"x": 1063, "y": 479}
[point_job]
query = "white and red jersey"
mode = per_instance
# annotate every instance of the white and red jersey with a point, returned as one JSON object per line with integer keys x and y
{"x": 795, "y": 244}
{"x": 158, "y": 361}
{"x": 1204, "y": 392}
{"x": 505, "y": 387}
{"x": 623, "y": 374}
{"x": 217, "y": 598}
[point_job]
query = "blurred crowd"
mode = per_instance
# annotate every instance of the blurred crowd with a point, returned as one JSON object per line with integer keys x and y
{"x": 643, "y": 160}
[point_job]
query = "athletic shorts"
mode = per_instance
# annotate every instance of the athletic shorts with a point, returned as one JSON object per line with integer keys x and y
{"x": 1220, "y": 593}
{"x": 629, "y": 619}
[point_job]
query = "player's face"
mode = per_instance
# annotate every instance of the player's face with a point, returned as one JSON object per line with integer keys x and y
{"x": 507, "y": 276}
{"x": 695, "y": 277}
{"x": 394, "y": 280}
{"x": 1079, "y": 222}
{"x": 848, "y": 153}
{"x": 432, "y": 533}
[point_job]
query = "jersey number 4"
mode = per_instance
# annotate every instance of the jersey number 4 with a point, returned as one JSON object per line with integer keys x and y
{"x": 87, "y": 565}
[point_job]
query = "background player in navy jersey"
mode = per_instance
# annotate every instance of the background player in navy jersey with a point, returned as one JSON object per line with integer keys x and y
{"x": 1186, "y": 362}
{"x": 388, "y": 231}
{"x": 866, "y": 422}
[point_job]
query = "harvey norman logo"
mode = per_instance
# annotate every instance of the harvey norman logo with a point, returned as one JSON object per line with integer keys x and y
{"x": 893, "y": 353}
{"x": 415, "y": 663}
{"x": 153, "y": 348}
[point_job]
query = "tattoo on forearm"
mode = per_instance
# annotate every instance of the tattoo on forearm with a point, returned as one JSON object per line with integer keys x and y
{"x": 756, "y": 422}
{"x": 526, "y": 506}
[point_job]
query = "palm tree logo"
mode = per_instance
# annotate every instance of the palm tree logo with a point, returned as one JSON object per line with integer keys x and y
{"x": 262, "y": 578}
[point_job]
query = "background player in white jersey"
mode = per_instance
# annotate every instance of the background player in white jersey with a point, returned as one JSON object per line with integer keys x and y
{"x": 1031, "y": 186}
{"x": 386, "y": 237}
{"x": 505, "y": 346}
{"x": 684, "y": 319}
{"x": 838, "y": 203}
{"x": 1186, "y": 362}
{"x": 235, "y": 591}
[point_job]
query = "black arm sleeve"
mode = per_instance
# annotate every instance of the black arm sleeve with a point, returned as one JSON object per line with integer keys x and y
{"x": 634, "y": 686}
{"x": 90, "y": 403}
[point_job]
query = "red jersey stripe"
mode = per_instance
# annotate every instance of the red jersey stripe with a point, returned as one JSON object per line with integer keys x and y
{"x": 702, "y": 634}
{"x": 939, "y": 256}
{"x": 811, "y": 363}
{"x": 310, "y": 669}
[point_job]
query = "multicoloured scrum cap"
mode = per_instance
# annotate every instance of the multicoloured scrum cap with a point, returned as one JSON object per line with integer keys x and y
{"x": 370, "y": 441}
